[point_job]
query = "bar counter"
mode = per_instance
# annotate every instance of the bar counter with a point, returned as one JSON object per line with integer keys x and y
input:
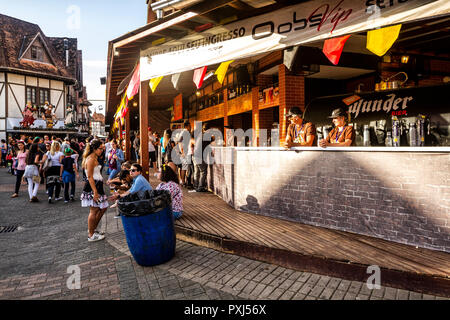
{"x": 398, "y": 194}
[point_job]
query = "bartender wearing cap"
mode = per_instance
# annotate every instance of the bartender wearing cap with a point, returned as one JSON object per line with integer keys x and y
{"x": 342, "y": 134}
{"x": 300, "y": 133}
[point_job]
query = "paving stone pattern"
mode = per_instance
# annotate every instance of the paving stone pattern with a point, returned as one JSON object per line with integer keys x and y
{"x": 51, "y": 238}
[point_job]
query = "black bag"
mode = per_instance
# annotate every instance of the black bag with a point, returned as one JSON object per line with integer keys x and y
{"x": 144, "y": 202}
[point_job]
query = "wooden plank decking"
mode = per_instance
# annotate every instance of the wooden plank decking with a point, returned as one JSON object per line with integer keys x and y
{"x": 208, "y": 220}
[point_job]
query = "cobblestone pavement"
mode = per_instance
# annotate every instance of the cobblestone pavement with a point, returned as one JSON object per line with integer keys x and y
{"x": 52, "y": 237}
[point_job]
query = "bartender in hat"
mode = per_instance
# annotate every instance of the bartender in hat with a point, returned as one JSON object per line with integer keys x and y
{"x": 342, "y": 134}
{"x": 300, "y": 132}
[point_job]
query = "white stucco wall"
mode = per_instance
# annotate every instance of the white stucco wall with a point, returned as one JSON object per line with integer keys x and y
{"x": 44, "y": 83}
{"x": 16, "y": 78}
{"x": 19, "y": 95}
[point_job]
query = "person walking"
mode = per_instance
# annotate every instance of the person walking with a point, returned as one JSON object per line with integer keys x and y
{"x": 31, "y": 173}
{"x": 3, "y": 149}
{"x": 152, "y": 150}
{"x": 200, "y": 166}
{"x": 93, "y": 195}
{"x": 21, "y": 164}
{"x": 136, "y": 146}
{"x": 68, "y": 171}
{"x": 53, "y": 174}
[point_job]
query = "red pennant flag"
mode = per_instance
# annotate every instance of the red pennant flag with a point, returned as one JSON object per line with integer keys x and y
{"x": 332, "y": 48}
{"x": 199, "y": 75}
{"x": 133, "y": 86}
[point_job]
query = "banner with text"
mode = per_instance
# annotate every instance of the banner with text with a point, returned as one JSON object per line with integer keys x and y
{"x": 293, "y": 25}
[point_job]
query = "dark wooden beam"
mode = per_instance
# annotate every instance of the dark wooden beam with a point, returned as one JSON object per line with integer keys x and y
{"x": 143, "y": 127}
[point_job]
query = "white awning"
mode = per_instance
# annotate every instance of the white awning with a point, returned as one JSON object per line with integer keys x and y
{"x": 293, "y": 25}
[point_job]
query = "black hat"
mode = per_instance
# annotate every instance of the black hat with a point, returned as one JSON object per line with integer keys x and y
{"x": 294, "y": 111}
{"x": 338, "y": 113}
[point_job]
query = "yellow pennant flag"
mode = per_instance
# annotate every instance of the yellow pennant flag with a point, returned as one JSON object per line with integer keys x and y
{"x": 381, "y": 40}
{"x": 121, "y": 106}
{"x": 222, "y": 70}
{"x": 154, "y": 83}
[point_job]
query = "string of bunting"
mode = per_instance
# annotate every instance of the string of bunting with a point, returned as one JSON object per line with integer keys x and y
{"x": 379, "y": 41}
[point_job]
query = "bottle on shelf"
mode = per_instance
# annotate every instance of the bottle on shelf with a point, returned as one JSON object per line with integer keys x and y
{"x": 412, "y": 134}
{"x": 366, "y": 135}
{"x": 388, "y": 141}
{"x": 395, "y": 132}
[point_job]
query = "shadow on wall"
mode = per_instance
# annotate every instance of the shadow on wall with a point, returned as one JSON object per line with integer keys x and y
{"x": 252, "y": 205}
{"x": 397, "y": 197}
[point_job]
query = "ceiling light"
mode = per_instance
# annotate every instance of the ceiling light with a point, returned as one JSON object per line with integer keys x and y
{"x": 405, "y": 59}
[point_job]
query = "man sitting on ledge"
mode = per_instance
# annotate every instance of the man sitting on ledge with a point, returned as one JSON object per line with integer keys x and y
{"x": 300, "y": 133}
{"x": 139, "y": 182}
{"x": 342, "y": 134}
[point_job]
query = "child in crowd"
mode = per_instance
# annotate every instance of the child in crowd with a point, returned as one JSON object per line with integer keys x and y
{"x": 170, "y": 182}
{"x": 68, "y": 171}
{"x": 9, "y": 160}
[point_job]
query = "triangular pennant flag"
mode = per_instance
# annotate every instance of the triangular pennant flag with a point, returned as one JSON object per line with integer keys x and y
{"x": 222, "y": 70}
{"x": 124, "y": 112}
{"x": 199, "y": 75}
{"x": 381, "y": 40}
{"x": 154, "y": 83}
{"x": 133, "y": 86}
{"x": 175, "y": 79}
{"x": 332, "y": 48}
{"x": 289, "y": 56}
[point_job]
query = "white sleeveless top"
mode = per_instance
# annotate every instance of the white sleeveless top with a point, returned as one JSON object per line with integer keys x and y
{"x": 97, "y": 174}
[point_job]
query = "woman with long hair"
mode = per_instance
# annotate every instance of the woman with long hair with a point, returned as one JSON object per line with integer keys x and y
{"x": 93, "y": 195}
{"x": 21, "y": 164}
{"x": 32, "y": 171}
{"x": 166, "y": 148}
{"x": 53, "y": 174}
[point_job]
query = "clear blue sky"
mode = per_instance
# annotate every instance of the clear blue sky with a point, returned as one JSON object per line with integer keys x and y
{"x": 99, "y": 22}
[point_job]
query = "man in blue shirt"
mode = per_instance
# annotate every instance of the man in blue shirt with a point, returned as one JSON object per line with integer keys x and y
{"x": 139, "y": 182}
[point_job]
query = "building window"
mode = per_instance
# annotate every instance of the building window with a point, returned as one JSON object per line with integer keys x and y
{"x": 31, "y": 95}
{"x": 37, "y": 53}
{"x": 44, "y": 95}
{"x": 37, "y": 100}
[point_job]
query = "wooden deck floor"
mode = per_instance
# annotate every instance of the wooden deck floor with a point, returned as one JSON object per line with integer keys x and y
{"x": 208, "y": 219}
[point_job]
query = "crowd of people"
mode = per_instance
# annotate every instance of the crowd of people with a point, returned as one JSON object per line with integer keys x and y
{"x": 59, "y": 163}
{"x": 43, "y": 160}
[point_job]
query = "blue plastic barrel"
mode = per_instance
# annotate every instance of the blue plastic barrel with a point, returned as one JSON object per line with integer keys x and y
{"x": 151, "y": 238}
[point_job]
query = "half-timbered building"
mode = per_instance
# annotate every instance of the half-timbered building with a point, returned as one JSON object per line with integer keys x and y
{"x": 38, "y": 69}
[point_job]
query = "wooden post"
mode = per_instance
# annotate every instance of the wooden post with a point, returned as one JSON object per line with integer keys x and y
{"x": 143, "y": 126}
{"x": 255, "y": 116}
{"x": 127, "y": 135}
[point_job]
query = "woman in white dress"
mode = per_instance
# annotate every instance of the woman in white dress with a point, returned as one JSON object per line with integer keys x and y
{"x": 93, "y": 195}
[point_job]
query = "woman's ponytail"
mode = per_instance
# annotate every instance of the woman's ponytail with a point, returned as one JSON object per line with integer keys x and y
{"x": 86, "y": 153}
